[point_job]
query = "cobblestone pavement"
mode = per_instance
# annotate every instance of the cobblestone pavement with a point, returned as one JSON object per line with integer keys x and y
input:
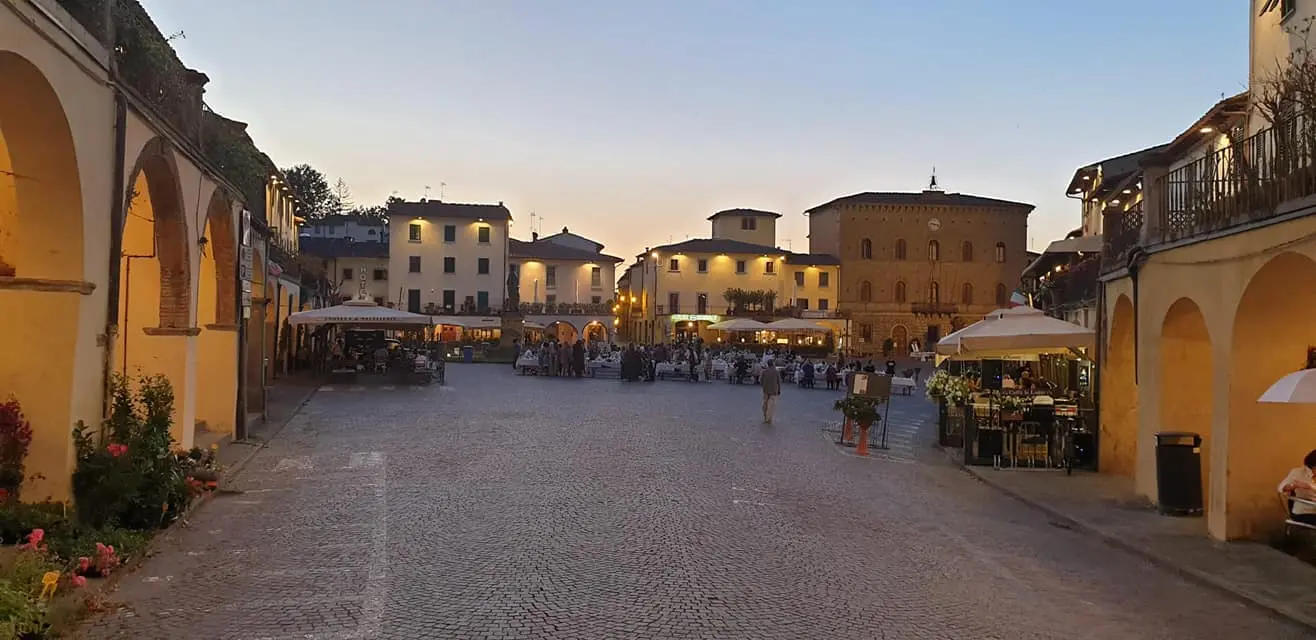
{"x": 525, "y": 507}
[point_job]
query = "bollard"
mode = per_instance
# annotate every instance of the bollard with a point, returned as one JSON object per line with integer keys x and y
{"x": 861, "y": 447}
{"x": 847, "y": 431}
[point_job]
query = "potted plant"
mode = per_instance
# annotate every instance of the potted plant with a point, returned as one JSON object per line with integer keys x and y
{"x": 862, "y": 412}
{"x": 1012, "y": 408}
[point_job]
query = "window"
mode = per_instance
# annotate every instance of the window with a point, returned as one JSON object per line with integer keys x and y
{"x": 596, "y": 299}
{"x": 824, "y": 280}
{"x": 483, "y": 236}
{"x": 1002, "y": 296}
{"x": 865, "y": 291}
{"x": 701, "y": 303}
{"x": 866, "y": 249}
{"x": 370, "y": 232}
{"x": 1000, "y": 252}
{"x": 674, "y": 264}
{"x": 449, "y": 299}
{"x": 749, "y": 224}
{"x": 347, "y": 274}
{"x": 413, "y": 264}
{"x": 673, "y": 302}
{"x": 702, "y": 265}
{"x": 900, "y": 292}
{"x": 822, "y": 304}
{"x": 740, "y": 267}
{"x": 1286, "y": 8}
{"x": 413, "y": 300}
{"x": 550, "y": 276}
{"x": 482, "y": 300}
{"x": 770, "y": 266}
{"x": 865, "y": 332}
{"x": 802, "y": 303}
{"x": 482, "y": 266}
{"x": 799, "y": 278}
{"x": 900, "y": 249}
{"x": 934, "y": 250}
{"x": 449, "y": 233}
{"x": 550, "y": 298}
{"x": 595, "y": 277}
{"x": 413, "y": 232}
{"x": 450, "y": 265}
{"x": 966, "y": 295}
{"x": 934, "y": 293}
{"x": 381, "y": 274}
{"x": 966, "y": 251}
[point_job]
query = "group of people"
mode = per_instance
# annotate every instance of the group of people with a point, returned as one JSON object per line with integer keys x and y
{"x": 559, "y": 358}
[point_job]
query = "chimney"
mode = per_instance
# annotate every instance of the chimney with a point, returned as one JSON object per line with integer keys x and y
{"x": 534, "y": 236}
{"x": 564, "y": 229}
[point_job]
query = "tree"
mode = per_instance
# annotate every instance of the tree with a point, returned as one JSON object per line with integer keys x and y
{"x": 311, "y": 187}
{"x": 343, "y": 196}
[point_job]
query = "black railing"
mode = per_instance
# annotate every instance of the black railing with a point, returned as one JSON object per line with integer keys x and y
{"x": 1242, "y": 183}
{"x": 934, "y": 309}
{"x": 1121, "y": 232}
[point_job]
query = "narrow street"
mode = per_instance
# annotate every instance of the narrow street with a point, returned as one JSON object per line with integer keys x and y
{"x": 521, "y": 507}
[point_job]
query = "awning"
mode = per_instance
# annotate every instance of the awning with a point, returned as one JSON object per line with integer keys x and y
{"x": 359, "y": 313}
{"x": 739, "y": 324}
{"x": 1060, "y": 249}
{"x": 796, "y": 324}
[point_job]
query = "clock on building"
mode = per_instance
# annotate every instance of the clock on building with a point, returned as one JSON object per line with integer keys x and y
{"x": 934, "y": 224}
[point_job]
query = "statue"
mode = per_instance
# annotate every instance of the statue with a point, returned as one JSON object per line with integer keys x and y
{"x": 513, "y": 300}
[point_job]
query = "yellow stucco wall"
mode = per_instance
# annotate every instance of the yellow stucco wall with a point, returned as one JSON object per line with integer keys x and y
{"x": 1218, "y": 322}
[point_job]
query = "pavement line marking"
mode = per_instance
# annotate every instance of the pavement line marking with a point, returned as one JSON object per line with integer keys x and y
{"x": 372, "y": 609}
{"x": 328, "y": 546}
{"x": 301, "y": 463}
{"x": 365, "y": 459}
{"x": 267, "y": 490}
{"x": 756, "y": 504}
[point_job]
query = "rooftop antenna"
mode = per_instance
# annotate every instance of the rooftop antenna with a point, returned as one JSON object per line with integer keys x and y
{"x": 788, "y": 244}
{"x": 442, "y": 186}
{"x": 427, "y": 193}
{"x": 933, "y": 186}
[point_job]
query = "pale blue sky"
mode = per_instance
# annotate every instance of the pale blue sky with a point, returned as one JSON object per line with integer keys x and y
{"x": 631, "y": 122}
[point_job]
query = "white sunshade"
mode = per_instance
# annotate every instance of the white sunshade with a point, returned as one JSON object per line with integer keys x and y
{"x": 797, "y": 324}
{"x": 359, "y": 312}
{"x": 1016, "y": 330}
{"x": 739, "y": 324}
{"x": 1296, "y": 388}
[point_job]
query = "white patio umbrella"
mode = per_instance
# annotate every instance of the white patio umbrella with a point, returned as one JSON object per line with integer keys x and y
{"x": 796, "y": 324}
{"x": 739, "y": 324}
{"x": 359, "y": 313}
{"x": 1298, "y": 387}
{"x": 1016, "y": 330}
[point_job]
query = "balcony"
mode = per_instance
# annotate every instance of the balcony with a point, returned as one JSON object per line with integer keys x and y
{"x": 934, "y": 309}
{"x": 566, "y": 309}
{"x": 1242, "y": 184}
{"x": 1074, "y": 286}
{"x": 1121, "y": 231}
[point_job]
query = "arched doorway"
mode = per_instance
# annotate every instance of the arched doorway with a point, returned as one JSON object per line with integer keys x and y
{"x": 562, "y": 331}
{"x": 1119, "y": 396}
{"x": 1186, "y": 378}
{"x": 41, "y": 267}
{"x": 595, "y": 331}
{"x": 155, "y": 287}
{"x": 217, "y": 346}
{"x": 1272, "y": 332}
{"x": 899, "y": 340}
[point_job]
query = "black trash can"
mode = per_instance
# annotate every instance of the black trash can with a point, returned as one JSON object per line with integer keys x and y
{"x": 1179, "y": 473}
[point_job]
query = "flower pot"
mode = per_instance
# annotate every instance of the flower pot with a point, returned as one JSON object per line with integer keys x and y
{"x": 861, "y": 447}
{"x": 1012, "y": 416}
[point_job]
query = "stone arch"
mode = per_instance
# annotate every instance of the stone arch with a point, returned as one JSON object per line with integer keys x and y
{"x": 563, "y": 330}
{"x": 42, "y": 277}
{"x": 155, "y": 197}
{"x": 901, "y": 291}
{"x": 216, "y": 312}
{"x": 900, "y": 339}
{"x": 1118, "y": 453}
{"x": 595, "y": 330}
{"x": 222, "y": 250}
{"x": 1272, "y": 332}
{"x": 1186, "y": 367}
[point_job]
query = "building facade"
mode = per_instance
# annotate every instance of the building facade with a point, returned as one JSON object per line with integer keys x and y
{"x": 916, "y": 266}
{"x": 448, "y": 256}
{"x": 357, "y": 228}
{"x": 356, "y": 270}
{"x": 1205, "y": 294}
{"x": 566, "y": 285}
{"x": 675, "y": 291}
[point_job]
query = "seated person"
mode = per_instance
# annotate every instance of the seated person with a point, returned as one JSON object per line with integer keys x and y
{"x": 1301, "y": 483}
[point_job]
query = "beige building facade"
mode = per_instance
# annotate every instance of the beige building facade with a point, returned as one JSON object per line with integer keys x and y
{"x": 446, "y": 255}
{"x": 916, "y": 266}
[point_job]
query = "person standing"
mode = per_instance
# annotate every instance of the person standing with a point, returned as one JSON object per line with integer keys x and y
{"x": 770, "y": 380}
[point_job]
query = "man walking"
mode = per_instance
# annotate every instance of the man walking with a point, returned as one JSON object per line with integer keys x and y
{"x": 770, "y": 379}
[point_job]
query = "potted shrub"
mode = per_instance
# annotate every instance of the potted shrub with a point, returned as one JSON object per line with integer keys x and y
{"x": 863, "y": 413}
{"x": 1012, "y": 408}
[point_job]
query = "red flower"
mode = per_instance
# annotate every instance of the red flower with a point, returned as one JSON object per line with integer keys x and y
{"x": 78, "y": 581}
{"x": 117, "y": 450}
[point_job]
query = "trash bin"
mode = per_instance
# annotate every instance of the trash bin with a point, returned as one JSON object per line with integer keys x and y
{"x": 1179, "y": 473}
{"x": 468, "y": 353}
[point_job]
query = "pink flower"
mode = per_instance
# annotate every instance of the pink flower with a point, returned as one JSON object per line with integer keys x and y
{"x": 84, "y": 563}
{"x": 117, "y": 450}
{"x": 34, "y": 540}
{"x": 78, "y": 581}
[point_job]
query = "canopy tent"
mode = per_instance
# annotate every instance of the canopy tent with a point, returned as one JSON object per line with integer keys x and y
{"x": 1298, "y": 387}
{"x": 739, "y": 324}
{"x": 796, "y": 324}
{"x": 361, "y": 313}
{"x": 1018, "y": 331}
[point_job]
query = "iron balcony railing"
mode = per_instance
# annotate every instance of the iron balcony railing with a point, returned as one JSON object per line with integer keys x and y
{"x": 1121, "y": 231}
{"x": 934, "y": 308}
{"x": 1239, "y": 184}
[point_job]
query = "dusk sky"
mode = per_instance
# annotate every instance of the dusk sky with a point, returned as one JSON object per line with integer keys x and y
{"x": 631, "y": 122}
